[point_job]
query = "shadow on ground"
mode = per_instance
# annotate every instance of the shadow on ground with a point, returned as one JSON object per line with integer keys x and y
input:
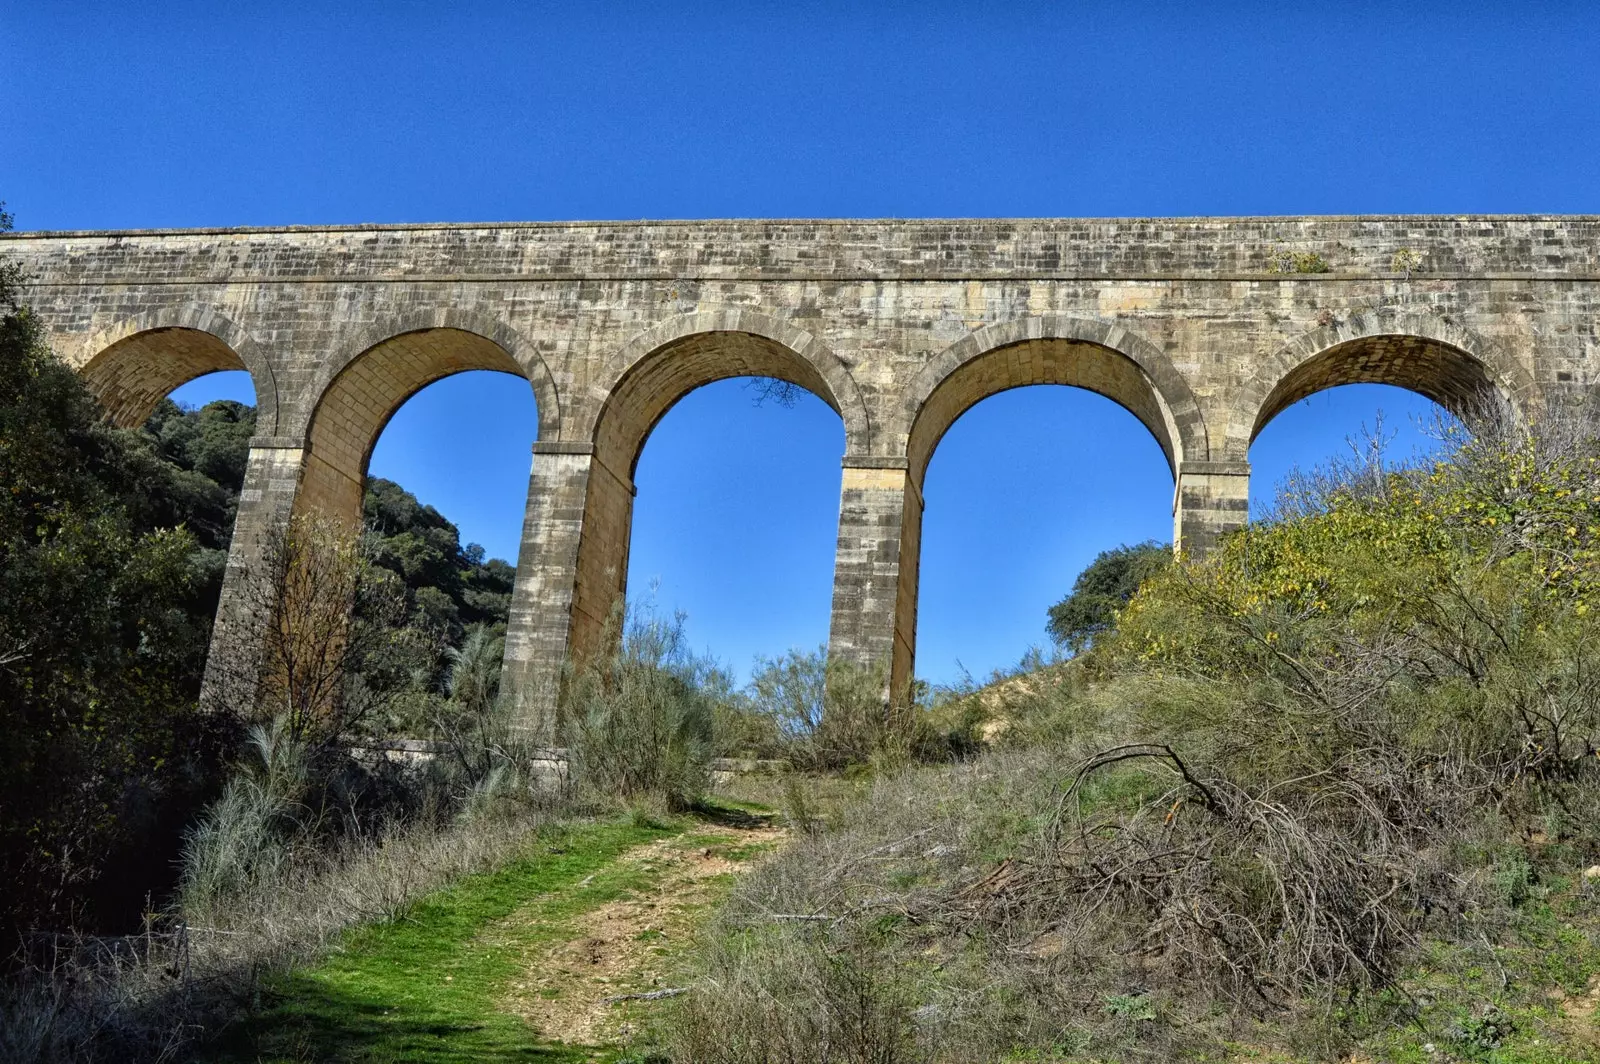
{"x": 307, "y": 1020}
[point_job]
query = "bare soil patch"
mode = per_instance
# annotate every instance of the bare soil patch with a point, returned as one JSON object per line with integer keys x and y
{"x": 1581, "y": 1017}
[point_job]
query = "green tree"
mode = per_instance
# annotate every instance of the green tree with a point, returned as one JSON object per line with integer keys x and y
{"x": 1103, "y": 588}
{"x": 99, "y": 647}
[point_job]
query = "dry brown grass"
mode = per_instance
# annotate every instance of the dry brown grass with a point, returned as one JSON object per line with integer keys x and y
{"x": 1077, "y": 901}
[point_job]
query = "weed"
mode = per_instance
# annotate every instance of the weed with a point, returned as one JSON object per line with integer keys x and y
{"x": 1133, "y": 1007}
{"x": 1477, "y": 1035}
{"x": 1287, "y": 261}
{"x": 1406, "y": 261}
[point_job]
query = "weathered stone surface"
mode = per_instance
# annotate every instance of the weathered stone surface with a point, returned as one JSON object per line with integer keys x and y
{"x": 899, "y": 325}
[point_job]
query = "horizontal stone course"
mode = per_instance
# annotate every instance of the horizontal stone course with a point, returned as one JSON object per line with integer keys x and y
{"x": 993, "y": 248}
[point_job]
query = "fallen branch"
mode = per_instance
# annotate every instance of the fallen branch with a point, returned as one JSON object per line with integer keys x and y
{"x": 651, "y": 995}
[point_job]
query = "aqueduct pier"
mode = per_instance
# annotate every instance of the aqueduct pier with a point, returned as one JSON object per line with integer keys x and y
{"x": 1204, "y": 329}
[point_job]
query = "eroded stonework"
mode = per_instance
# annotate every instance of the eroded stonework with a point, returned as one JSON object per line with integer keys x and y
{"x": 899, "y": 325}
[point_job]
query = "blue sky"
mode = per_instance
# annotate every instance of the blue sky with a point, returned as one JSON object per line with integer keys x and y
{"x": 120, "y": 116}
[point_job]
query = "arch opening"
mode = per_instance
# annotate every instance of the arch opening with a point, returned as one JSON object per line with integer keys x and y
{"x": 1092, "y": 356}
{"x": 423, "y": 440}
{"x": 658, "y": 382}
{"x": 736, "y": 520}
{"x": 1080, "y": 364}
{"x": 230, "y": 384}
{"x": 131, "y": 376}
{"x": 356, "y": 407}
{"x": 1438, "y": 371}
{"x": 1345, "y": 426}
{"x": 461, "y": 446}
{"x": 1012, "y": 513}
{"x": 1379, "y": 397}
{"x": 634, "y": 406}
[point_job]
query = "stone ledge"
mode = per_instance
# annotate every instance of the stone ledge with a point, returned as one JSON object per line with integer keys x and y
{"x": 276, "y": 443}
{"x": 1214, "y": 469}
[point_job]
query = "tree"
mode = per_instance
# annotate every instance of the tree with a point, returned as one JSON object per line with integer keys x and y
{"x": 1103, "y": 588}
{"x": 448, "y": 587}
{"x": 99, "y": 650}
{"x": 779, "y": 391}
{"x": 315, "y": 612}
{"x": 113, "y": 544}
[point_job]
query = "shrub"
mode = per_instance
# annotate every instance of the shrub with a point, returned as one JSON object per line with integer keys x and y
{"x": 833, "y": 1001}
{"x": 103, "y": 624}
{"x": 639, "y": 722}
{"x": 1286, "y": 770}
{"x": 827, "y": 715}
{"x": 1286, "y": 261}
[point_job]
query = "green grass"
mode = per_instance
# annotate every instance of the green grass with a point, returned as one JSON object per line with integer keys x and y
{"x": 425, "y": 988}
{"x": 1495, "y": 1003}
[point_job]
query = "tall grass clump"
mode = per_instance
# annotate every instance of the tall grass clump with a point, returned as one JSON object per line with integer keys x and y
{"x": 244, "y": 837}
{"x": 487, "y": 764}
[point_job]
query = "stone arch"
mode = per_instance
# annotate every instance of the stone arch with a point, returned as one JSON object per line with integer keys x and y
{"x": 656, "y": 368}
{"x": 1101, "y": 356}
{"x": 530, "y": 363}
{"x": 137, "y": 363}
{"x": 369, "y": 384}
{"x": 1425, "y": 353}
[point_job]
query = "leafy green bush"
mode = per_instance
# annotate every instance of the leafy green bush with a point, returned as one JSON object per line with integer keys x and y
{"x": 103, "y": 627}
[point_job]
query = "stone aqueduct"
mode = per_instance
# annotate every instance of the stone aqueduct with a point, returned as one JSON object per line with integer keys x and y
{"x": 1202, "y": 328}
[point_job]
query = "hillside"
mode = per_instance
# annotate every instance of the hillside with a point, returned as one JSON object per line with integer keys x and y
{"x": 1330, "y": 794}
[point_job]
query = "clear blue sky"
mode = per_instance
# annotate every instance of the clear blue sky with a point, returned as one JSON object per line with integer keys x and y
{"x": 121, "y": 115}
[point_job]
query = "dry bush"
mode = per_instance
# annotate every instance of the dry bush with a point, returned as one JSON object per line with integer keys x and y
{"x": 849, "y": 946}
{"x": 831, "y": 1001}
{"x": 311, "y": 611}
{"x": 826, "y": 715}
{"x": 1118, "y": 903}
{"x": 920, "y": 894}
{"x": 121, "y": 999}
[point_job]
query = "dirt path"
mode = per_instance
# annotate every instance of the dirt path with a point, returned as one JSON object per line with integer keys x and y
{"x": 624, "y": 945}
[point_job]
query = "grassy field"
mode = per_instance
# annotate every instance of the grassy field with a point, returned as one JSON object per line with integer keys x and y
{"x": 501, "y": 966}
